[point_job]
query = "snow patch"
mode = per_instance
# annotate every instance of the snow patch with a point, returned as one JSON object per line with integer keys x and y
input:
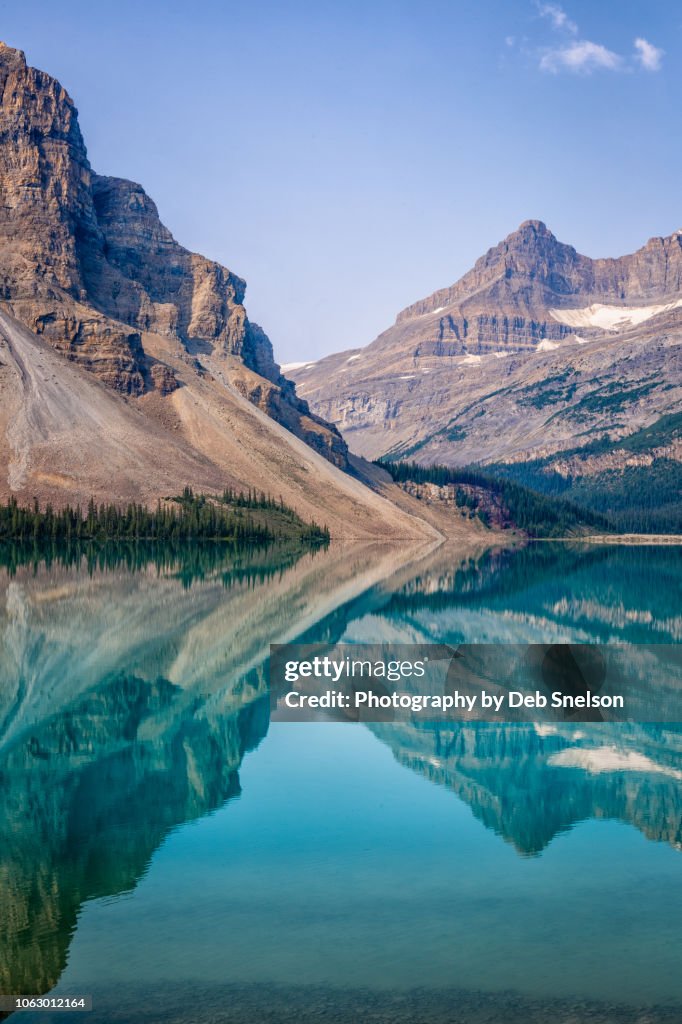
{"x": 500, "y": 355}
{"x": 432, "y": 312}
{"x": 547, "y": 346}
{"x": 611, "y": 318}
{"x": 286, "y": 367}
{"x": 583, "y": 341}
{"x": 351, "y": 359}
{"x": 609, "y": 759}
{"x": 409, "y": 376}
{"x": 471, "y": 360}
{"x": 545, "y": 729}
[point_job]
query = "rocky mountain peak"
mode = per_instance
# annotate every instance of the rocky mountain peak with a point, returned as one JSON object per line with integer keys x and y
{"x": 11, "y": 59}
{"x": 520, "y": 272}
{"x": 86, "y": 263}
{"x": 533, "y": 348}
{"x": 530, "y": 232}
{"x": 537, "y": 226}
{"x": 45, "y": 180}
{"x": 530, "y": 252}
{"x": 531, "y": 272}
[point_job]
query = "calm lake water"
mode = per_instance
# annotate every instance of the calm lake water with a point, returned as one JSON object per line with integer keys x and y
{"x": 170, "y": 851}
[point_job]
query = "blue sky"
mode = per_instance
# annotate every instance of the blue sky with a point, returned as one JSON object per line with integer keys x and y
{"x": 348, "y": 158}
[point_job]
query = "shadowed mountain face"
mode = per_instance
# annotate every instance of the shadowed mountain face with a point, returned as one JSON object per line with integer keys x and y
{"x": 537, "y": 351}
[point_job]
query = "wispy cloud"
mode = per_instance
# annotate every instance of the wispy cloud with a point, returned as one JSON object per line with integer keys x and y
{"x": 648, "y": 55}
{"x": 581, "y": 57}
{"x": 558, "y": 17}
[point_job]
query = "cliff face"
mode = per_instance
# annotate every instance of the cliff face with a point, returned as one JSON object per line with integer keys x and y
{"x": 531, "y": 271}
{"x": 136, "y": 272}
{"x": 128, "y": 365}
{"x": 47, "y": 218}
{"x": 511, "y": 300}
{"x": 47, "y": 200}
{"x": 87, "y": 264}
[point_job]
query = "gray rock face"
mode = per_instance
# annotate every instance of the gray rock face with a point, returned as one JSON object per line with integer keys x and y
{"x": 47, "y": 201}
{"x": 139, "y": 274}
{"x": 86, "y": 262}
{"x": 536, "y": 350}
{"x": 531, "y": 271}
{"x": 47, "y": 221}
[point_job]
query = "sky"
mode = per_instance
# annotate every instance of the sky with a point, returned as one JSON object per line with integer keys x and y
{"x": 349, "y": 158}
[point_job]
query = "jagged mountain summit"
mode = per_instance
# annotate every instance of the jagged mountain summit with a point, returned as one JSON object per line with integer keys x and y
{"x": 537, "y": 353}
{"x": 88, "y": 265}
{"x": 523, "y": 292}
{"x": 128, "y": 365}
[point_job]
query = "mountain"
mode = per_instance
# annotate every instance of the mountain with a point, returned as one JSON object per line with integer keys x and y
{"x": 88, "y": 265}
{"x": 506, "y": 772}
{"x": 128, "y": 365}
{"x": 106, "y": 780}
{"x": 126, "y": 706}
{"x": 537, "y": 355}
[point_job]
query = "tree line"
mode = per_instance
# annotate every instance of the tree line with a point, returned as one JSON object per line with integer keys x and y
{"x": 535, "y": 514}
{"x": 635, "y": 499}
{"x": 236, "y": 518}
{"x": 188, "y": 563}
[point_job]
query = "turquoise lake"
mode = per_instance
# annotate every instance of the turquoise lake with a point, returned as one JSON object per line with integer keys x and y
{"x": 169, "y": 850}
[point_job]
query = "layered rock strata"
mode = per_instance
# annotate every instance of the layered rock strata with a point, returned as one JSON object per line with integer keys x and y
{"x": 86, "y": 263}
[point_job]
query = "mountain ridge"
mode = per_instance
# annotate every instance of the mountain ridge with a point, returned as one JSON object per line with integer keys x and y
{"x": 88, "y": 264}
{"x": 128, "y": 365}
{"x": 568, "y": 273}
{"x": 535, "y": 352}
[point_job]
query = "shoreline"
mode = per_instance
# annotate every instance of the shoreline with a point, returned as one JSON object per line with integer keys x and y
{"x": 631, "y": 538}
{"x": 276, "y": 1003}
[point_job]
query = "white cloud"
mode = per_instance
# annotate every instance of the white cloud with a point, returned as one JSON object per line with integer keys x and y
{"x": 581, "y": 57}
{"x": 648, "y": 55}
{"x": 557, "y": 15}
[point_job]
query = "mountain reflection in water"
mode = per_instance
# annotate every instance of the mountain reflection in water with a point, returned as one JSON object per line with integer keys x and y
{"x": 128, "y": 702}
